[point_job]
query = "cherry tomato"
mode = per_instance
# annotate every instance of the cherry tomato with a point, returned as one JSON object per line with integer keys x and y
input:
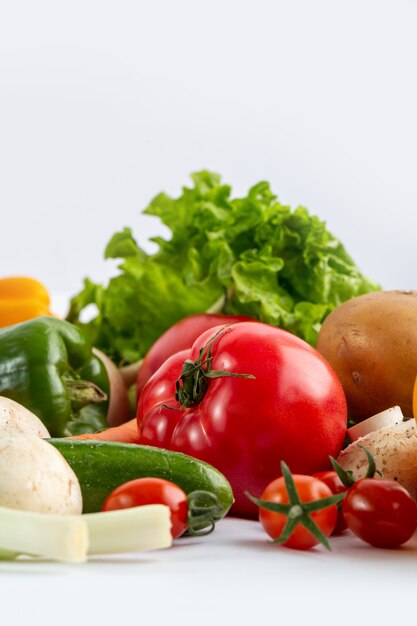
{"x": 293, "y": 408}
{"x": 309, "y": 490}
{"x": 151, "y": 491}
{"x": 332, "y": 480}
{"x": 380, "y": 512}
{"x": 179, "y": 337}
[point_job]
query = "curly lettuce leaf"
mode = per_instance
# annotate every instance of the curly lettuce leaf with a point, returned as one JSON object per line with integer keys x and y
{"x": 270, "y": 262}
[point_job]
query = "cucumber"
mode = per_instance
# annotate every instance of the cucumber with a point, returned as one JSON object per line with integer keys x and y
{"x": 101, "y": 466}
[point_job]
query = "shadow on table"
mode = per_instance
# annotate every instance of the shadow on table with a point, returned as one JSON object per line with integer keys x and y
{"x": 346, "y": 546}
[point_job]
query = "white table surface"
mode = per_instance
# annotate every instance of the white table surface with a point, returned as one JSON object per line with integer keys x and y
{"x": 232, "y": 576}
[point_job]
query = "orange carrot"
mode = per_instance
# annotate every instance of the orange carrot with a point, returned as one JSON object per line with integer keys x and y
{"x": 125, "y": 433}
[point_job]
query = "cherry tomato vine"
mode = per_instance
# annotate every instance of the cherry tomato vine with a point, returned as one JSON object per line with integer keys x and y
{"x": 299, "y": 514}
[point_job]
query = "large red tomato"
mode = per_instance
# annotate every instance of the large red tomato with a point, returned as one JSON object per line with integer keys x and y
{"x": 179, "y": 337}
{"x": 294, "y": 408}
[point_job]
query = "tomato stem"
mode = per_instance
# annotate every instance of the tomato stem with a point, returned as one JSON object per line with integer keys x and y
{"x": 347, "y": 477}
{"x": 203, "y": 512}
{"x": 372, "y": 470}
{"x": 298, "y": 512}
{"x": 192, "y": 385}
{"x": 295, "y": 512}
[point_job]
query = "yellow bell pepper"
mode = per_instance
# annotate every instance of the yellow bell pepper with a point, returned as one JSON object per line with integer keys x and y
{"x": 21, "y": 299}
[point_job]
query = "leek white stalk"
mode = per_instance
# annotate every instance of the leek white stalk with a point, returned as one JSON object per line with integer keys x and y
{"x": 139, "y": 528}
{"x": 70, "y": 537}
{"x": 56, "y": 537}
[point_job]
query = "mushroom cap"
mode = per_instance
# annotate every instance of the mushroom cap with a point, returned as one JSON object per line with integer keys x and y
{"x": 394, "y": 450}
{"x": 34, "y": 476}
{"x": 14, "y": 417}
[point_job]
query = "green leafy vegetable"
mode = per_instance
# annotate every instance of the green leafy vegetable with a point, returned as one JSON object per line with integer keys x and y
{"x": 253, "y": 255}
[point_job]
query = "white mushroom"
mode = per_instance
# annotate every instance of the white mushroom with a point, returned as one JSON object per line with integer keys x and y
{"x": 393, "y": 415}
{"x": 16, "y": 418}
{"x": 34, "y": 476}
{"x": 394, "y": 450}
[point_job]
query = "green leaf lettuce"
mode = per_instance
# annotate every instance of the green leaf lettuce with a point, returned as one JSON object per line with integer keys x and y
{"x": 250, "y": 255}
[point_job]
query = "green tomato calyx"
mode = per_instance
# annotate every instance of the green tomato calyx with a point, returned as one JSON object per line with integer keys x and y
{"x": 298, "y": 512}
{"x": 193, "y": 383}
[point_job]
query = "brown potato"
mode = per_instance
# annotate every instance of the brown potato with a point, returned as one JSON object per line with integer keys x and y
{"x": 371, "y": 343}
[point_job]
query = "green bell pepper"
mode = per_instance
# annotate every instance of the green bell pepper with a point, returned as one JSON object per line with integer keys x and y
{"x": 47, "y": 365}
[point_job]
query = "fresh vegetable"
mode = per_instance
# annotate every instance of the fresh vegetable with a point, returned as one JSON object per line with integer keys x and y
{"x": 125, "y": 433}
{"x": 258, "y": 257}
{"x": 142, "y": 491}
{"x": 56, "y": 537}
{"x": 118, "y": 410}
{"x": 332, "y": 480}
{"x": 380, "y": 512}
{"x": 244, "y": 396}
{"x": 371, "y": 342}
{"x": 16, "y": 418}
{"x": 340, "y": 480}
{"x": 71, "y": 537}
{"x": 47, "y": 365}
{"x": 131, "y": 530}
{"x": 129, "y": 374}
{"x": 35, "y": 477}
{"x": 298, "y": 511}
{"x": 179, "y": 337}
{"x": 196, "y": 512}
{"x": 21, "y": 299}
{"x": 394, "y": 450}
{"x": 389, "y": 417}
{"x": 101, "y": 466}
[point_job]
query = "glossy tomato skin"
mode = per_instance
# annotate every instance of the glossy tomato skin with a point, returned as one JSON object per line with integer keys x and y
{"x": 294, "y": 410}
{"x": 380, "y": 512}
{"x": 143, "y": 491}
{"x": 179, "y": 337}
{"x": 332, "y": 480}
{"x": 309, "y": 489}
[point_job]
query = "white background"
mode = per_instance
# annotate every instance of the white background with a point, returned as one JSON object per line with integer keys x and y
{"x": 104, "y": 104}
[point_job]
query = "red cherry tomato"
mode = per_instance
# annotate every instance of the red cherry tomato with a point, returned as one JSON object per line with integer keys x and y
{"x": 179, "y": 337}
{"x": 309, "y": 490}
{"x": 293, "y": 410}
{"x": 332, "y": 480}
{"x": 380, "y": 512}
{"x": 151, "y": 491}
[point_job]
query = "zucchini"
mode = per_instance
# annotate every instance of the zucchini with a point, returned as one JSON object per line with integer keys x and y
{"x": 101, "y": 466}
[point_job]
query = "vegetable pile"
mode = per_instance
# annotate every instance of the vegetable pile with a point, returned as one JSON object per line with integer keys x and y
{"x": 250, "y": 256}
{"x": 102, "y": 453}
{"x": 57, "y": 497}
{"x": 300, "y": 511}
{"x": 243, "y": 397}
